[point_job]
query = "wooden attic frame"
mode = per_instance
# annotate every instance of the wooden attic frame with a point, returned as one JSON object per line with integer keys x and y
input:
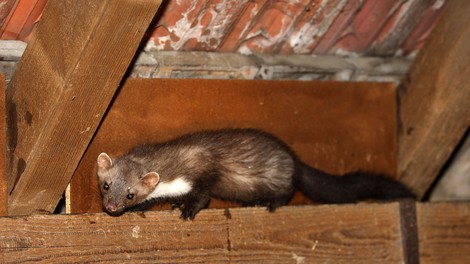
{"x": 66, "y": 97}
{"x": 60, "y": 93}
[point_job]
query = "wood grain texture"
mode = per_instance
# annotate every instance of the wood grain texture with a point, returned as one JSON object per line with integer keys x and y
{"x": 362, "y": 233}
{"x": 444, "y": 232}
{"x": 3, "y": 153}
{"x": 337, "y": 127}
{"x": 131, "y": 238}
{"x": 434, "y": 111}
{"x": 61, "y": 89}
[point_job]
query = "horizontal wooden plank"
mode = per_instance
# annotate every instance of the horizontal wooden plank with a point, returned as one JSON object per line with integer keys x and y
{"x": 444, "y": 232}
{"x": 334, "y": 126}
{"x": 150, "y": 237}
{"x": 361, "y": 233}
{"x": 180, "y": 65}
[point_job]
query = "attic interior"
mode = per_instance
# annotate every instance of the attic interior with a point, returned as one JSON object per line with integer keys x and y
{"x": 379, "y": 86}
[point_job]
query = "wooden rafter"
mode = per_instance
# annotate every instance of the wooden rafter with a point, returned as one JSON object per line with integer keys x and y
{"x": 3, "y": 156}
{"x": 434, "y": 108}
{"x": 61, "y": 89}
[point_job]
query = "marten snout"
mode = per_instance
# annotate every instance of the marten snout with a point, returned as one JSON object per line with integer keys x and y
{"x": 113, "y": 209}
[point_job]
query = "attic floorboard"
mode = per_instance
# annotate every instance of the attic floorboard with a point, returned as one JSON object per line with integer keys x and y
{"x": 354, "y": 233}
{"x": 364, "y": 233}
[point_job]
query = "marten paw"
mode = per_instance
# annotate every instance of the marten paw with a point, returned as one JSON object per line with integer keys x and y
{"x": 188, "y": 214}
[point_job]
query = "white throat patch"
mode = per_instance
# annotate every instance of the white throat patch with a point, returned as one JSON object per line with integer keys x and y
{"x": 174, "y": 188}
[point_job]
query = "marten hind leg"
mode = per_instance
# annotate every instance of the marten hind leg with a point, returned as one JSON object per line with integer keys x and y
{"x": 274, "y": 203}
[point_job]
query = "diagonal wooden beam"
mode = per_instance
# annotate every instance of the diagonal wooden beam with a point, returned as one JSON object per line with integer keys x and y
{"x": 434, "y": 108}
{"x": 61, "y": 89}
{"x": 3, "y": 156}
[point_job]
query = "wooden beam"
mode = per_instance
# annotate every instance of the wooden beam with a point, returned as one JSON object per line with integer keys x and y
{"x": 321, "y": 234}
{"x": 362, "y": 233}
{"x": 356, "y": 233}
{"x": 434, "y": 108}
{"x": 61, "y": 89}
{"x": 444, "y": 232}
{"x": 3, "y": 153}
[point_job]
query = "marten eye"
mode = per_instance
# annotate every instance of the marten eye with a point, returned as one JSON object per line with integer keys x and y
{"x": 130, "y": 196}
{"x": 106, "y": 186}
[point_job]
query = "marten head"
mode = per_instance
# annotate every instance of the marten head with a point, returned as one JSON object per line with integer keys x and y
{"x": 123, "y": 183}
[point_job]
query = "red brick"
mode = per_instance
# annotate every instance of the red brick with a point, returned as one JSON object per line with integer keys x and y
{"x": 366, "y": 25}
{"x": 274, "y": 26}
{"x": 244, "y": 21}
{"x": 22, "y": 18}
{"x": 177, "y": 23}
{"x": 266, "y": 26}
{"x": 338, "y": 27}
{"x": 223, "y": 17}
{"x": 400, "y": 26}
{"x": 314, "y": 24}
{"x": 421, "y": 32}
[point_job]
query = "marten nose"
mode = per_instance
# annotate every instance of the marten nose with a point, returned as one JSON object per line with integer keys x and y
{"x": 112, "y": 208}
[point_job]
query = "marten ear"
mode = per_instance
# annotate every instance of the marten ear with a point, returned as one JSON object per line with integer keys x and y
{"x": 104, "y": 161}
{"x": 150, "y": 180}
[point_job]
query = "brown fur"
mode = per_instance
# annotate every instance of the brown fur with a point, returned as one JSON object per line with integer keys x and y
{"x": 244, "y": 165}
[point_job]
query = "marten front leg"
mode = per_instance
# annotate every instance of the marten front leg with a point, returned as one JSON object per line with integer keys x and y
{"x": 193, "y": 203}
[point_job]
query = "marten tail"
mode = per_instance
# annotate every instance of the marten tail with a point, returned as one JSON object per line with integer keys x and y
{"x": 352, "y": 187}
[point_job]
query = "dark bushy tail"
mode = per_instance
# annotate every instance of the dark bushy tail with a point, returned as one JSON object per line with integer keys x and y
{"x": 352, "y": 187}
